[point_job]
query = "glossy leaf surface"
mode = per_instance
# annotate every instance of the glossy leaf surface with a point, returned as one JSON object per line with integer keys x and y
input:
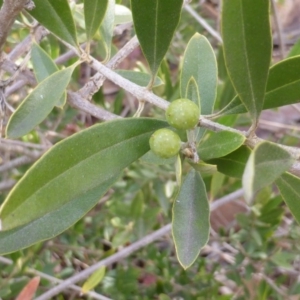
{"x": 220, "y": 144}
{"x": 190, "y": 224}
{"x": 289, "y": 187}
{"x": 155, "y": 23}
{"x": 39, "y": 103}
{"x": 94, "y": 11}
{"x": 283, "y": 87}
{"x": 200, "y": 63}
{"x": 71, "y": 168}
{"x": 265, "y": 164}
{"x": 43, "y": 67}
{"x": 56, "y": 16}
{"x": 247, "y": 49}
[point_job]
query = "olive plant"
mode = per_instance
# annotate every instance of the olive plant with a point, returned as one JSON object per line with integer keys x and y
{"x": 68, "y": 180}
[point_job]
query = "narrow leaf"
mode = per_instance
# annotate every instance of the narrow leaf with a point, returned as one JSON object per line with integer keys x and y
{"x": 151, "y": 158}
{"x": 56, "y": 16}
{"x": 282, "y": 87}
{"x": 29, "y": 290}
{"x": 295, "y": 50}
{"x": 39, "y": 103}
{"x": 289, "y": 187}
{"x": 93, "y": 280}
{"x": 265, "y": 164}
{"x": 122, "y": 14}
{"x": 200, "y": 62}
{"x": 139, "y": 78}
{"x": 52, "y": 224}
{"x": 43, "y": 67}
{"x": 247, "y": 49}
{"x": 155, "y": 23}
{"x": 94, "y": 11}
{"x": 204, "y": 169}
{"x": 37, "y": 192}
{"x": 192, "y": 92}
{"x": 233, "y": 164}
{"x": 190, "y": 224}
{"x": 70, "y": 179}
{"x": 107, "y": 27}
{"x": 219, "y": 144}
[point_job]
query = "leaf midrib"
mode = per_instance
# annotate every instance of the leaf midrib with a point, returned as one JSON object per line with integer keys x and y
{"x": 244, "y": 43}
{"x": 73, "y": 166}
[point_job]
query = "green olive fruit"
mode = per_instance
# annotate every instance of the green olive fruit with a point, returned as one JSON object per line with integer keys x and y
{"x": 183, "y": 114}
{"x": 165, "y": 143}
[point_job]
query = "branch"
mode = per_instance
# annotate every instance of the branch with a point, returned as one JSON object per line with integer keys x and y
{"x": 203, "y": 23}
{"x": 8, "y": 13}
{"x": 279, "y": 29}
{"x": 52, "y": 279}
{"x": 125, "y": 252}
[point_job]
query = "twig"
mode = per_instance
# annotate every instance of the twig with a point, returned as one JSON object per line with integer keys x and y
{"x": 6, "y": 185}
{"x": 17, "y": 162}
{"x": 203, "y": 23}
{"x": 8, "y": 13}
{"x": 52, "y": 279}
{"x": 228, "y": 198}
{"x": 125, "y": 252}
{"x": 77, "y": 101}
{"x": 24, "y": 144}
{"x": 17, "y": 149}
{"x": 105, "y": 262}
{"x": 95, "y": 82}
{"x": 279, "y": 30}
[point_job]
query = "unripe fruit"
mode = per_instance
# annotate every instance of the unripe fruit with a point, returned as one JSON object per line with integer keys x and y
{"x": 165, "y": 143}
{"x": 183, "y": 114}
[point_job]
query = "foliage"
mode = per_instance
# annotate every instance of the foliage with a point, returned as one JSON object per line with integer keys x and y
{"x": 98, "y": 189}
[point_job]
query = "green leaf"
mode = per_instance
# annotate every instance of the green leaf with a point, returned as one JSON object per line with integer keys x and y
{"x": 247, "y": 50}
{"x": 70, "y": 179}
{"x": 192, "y": 92}
{"x": 139, "y": 78}
{"x": 151, "y": 158}
{"x": 39, "y": 103}
{"x": 200, "y": 62}
{"x": 282, "y": 87}
{"x": 51, "y": 224}
{"x": 155, "y": 23}
{"x": 190, "y": 225}
{"x": 43, "y": 67}
{"x": 56, "y": 16}
{"x": 289, "y": 187}
{"x": 107, "y": 27}
{"x": 93, "y": 280}
{"x": 265, "y": 164}
{"x": 217, "y": 183}
{"x": 219, "y": 144}
{"x": 233, "y": 164}
{"x": 295, "y": 49}
{"x": 203, "y": 168}
{"x": 94, "y": 12}
{"x": 82, "y": 168}
{"x": 122, "y": 14}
